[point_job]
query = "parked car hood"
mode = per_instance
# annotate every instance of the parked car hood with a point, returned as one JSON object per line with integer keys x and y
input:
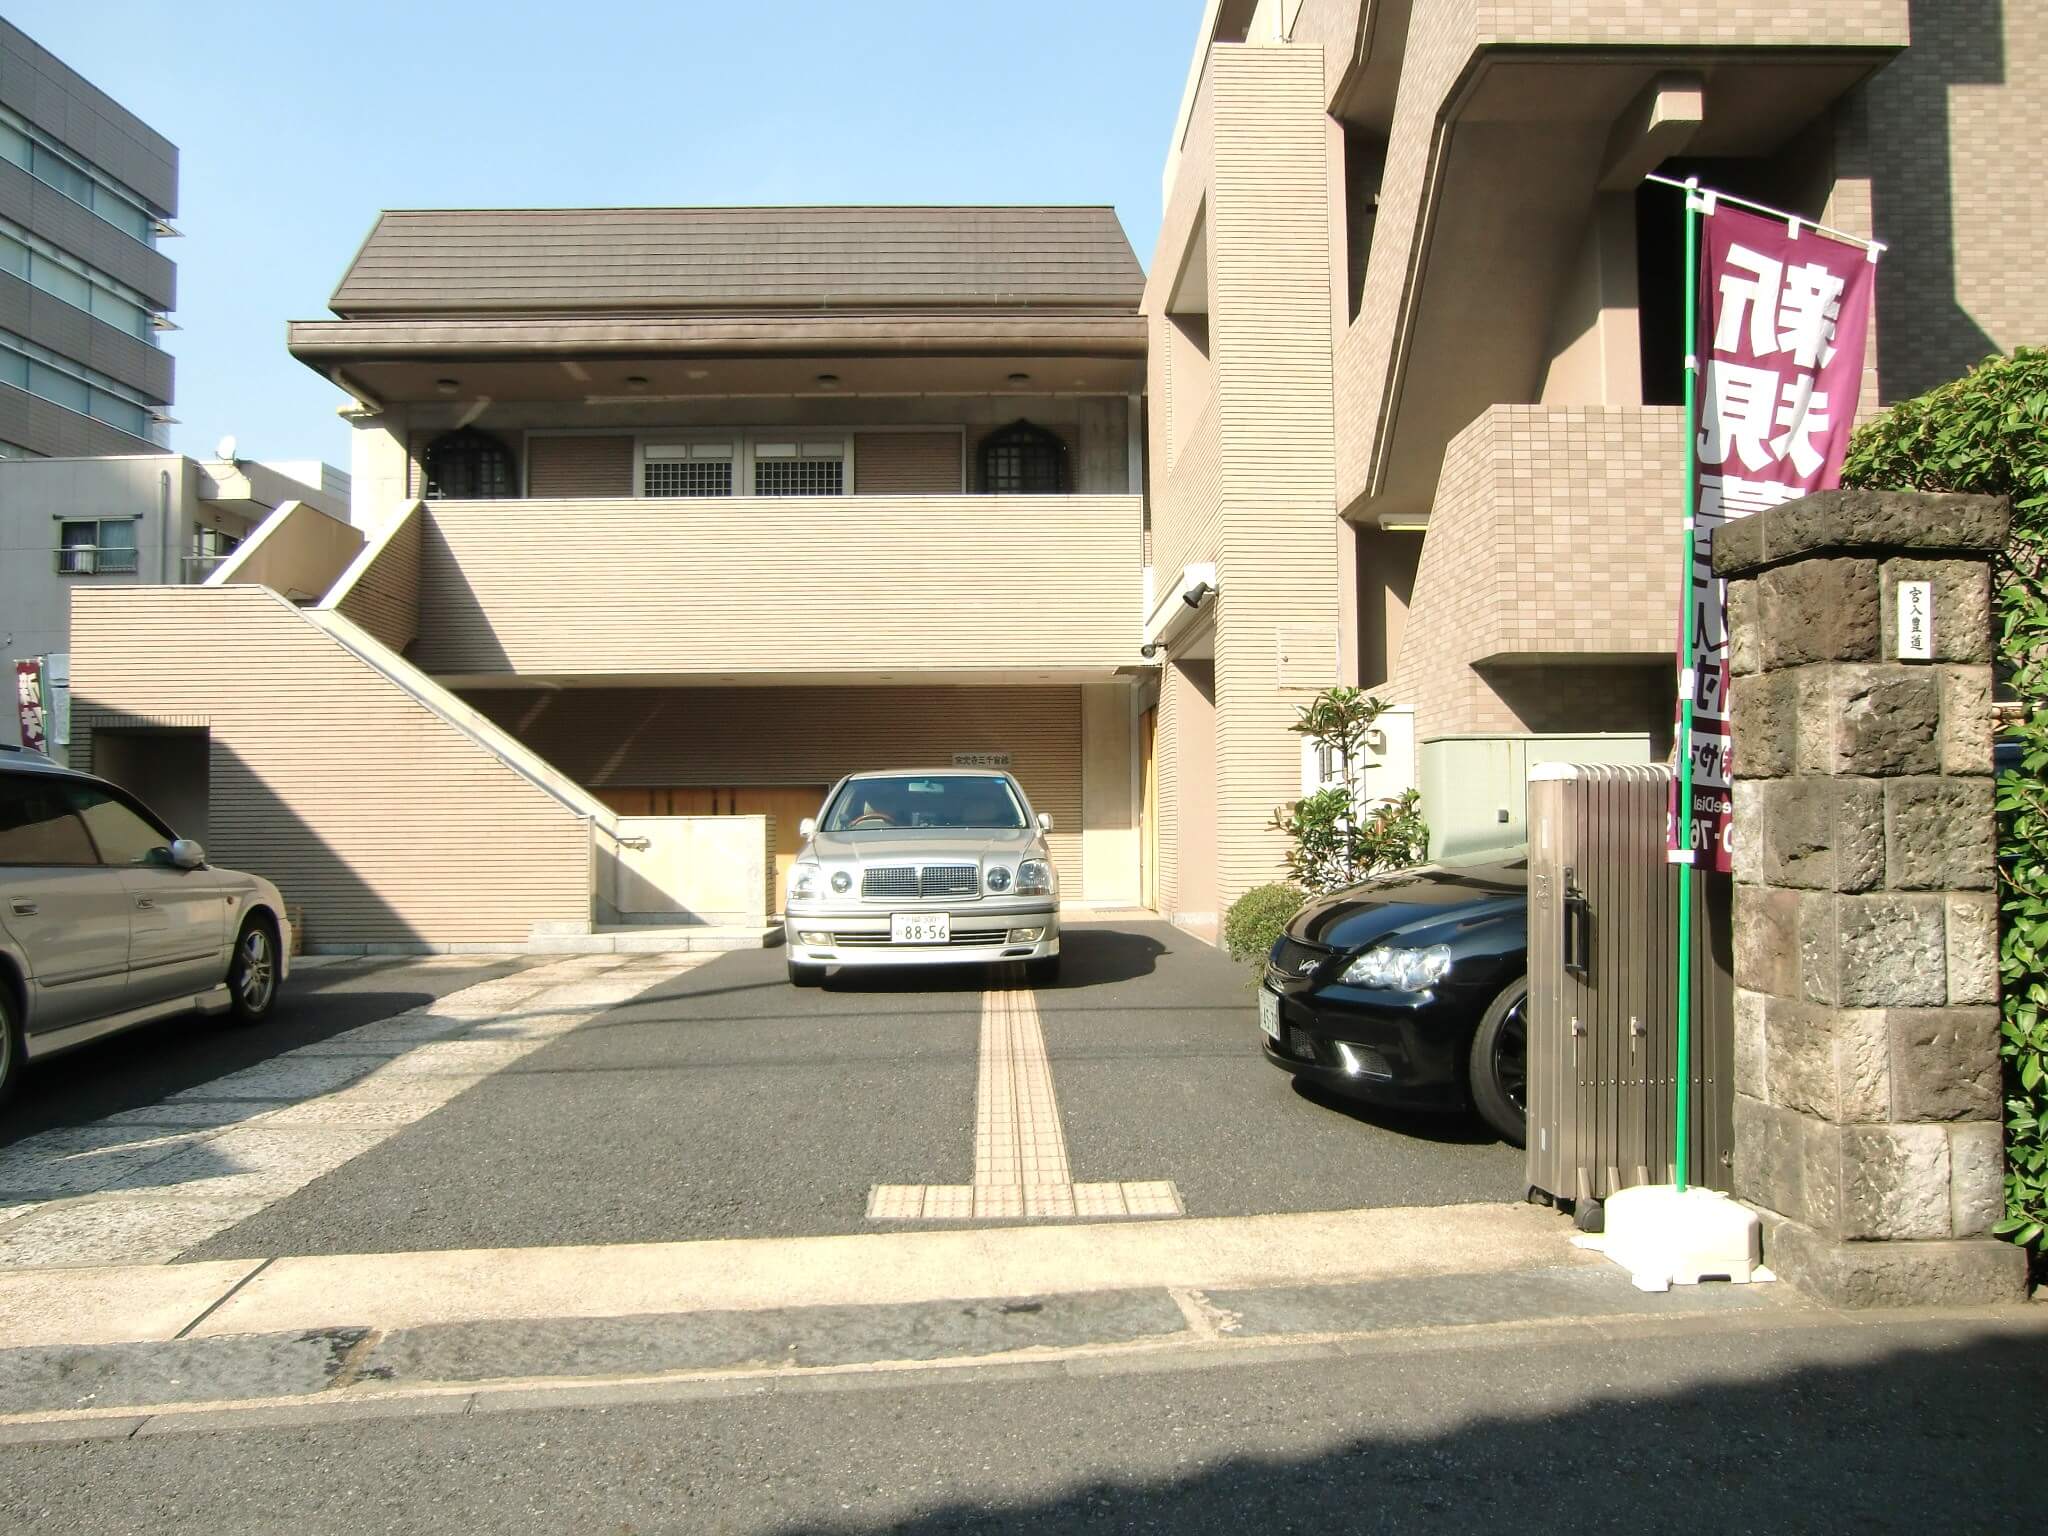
{"x": 1425, "y": 905}
{"x": 899, "y": 845}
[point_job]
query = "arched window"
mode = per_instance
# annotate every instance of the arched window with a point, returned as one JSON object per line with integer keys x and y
{"x": 1023, "y": 460}
{"x": 468, "y": 465}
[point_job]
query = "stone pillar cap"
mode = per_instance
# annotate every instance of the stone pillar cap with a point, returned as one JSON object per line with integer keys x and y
{"x": 1865, "y": 523}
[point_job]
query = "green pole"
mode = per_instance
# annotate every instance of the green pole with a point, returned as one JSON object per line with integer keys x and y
{"x": 1686, "y": 694}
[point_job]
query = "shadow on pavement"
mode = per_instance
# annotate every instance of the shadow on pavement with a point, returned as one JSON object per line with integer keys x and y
{"x": 140, "y": 1066}
{"x": 1089, "y": 956}
{"x": 1451, "y": 1127}
{"x": 1900, "y": 1439}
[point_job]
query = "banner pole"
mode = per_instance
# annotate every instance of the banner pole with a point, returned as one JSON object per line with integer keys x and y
{"x": 1684, "y": 861}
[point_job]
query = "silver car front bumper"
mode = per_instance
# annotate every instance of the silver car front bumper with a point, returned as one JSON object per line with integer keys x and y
{"x": 862, "y": 939}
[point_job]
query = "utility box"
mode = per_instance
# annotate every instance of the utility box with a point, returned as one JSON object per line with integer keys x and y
{"x": 1603, "y": 1015}
{"x": 1474, "y": 788}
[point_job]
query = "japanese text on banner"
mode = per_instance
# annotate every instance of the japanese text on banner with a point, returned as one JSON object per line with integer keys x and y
{"x": 1784, "y": 313}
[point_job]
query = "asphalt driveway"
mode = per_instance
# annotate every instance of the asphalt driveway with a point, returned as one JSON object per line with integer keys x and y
{"x": 323, "y": 998}
{"x": 724, "y": 1103}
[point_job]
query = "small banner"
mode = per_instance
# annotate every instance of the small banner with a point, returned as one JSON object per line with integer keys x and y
{"x": 28, "y": 692}
{"x": 1783, "y": 316}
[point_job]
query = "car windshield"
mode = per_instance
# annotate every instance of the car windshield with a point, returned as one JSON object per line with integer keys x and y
{"x": 926, "y": 800}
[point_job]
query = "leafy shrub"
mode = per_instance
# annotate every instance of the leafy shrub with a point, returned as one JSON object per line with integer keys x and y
{"x": 1256, "y": 918}
{"x": 1334, "y": 839}
{"x": 1988, "y": 432}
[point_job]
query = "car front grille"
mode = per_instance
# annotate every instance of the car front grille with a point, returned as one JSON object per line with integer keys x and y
{"x": 1294, "y": 958}
{"x": 963, "y": 938}
{"x": 912, "y": 881}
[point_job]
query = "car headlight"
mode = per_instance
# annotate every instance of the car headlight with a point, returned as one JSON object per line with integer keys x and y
{"x": 842, "y": 882}
{"x": 1388, "y": 969}
{"x": 999, "y": 880}
{"x": 803, "y": 882}
{"x": 1034, "y": 878}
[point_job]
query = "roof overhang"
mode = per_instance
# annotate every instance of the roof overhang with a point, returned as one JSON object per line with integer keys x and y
{"x": 650, "y": 358}
{"x": 324, "y": 343}
{"x": 1530, "y": 137}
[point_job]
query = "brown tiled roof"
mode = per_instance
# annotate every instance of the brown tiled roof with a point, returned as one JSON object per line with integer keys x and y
{"x": 453, "y": 261}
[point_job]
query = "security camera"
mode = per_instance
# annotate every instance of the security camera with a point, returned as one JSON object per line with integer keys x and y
{"x": 1194, "y": 595}
{"x": 1149, "y": 649}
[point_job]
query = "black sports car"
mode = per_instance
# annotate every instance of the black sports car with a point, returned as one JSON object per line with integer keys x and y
{"x": 1409, "y": 990}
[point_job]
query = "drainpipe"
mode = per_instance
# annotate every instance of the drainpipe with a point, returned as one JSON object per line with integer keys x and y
{"x": 163, "y": 484}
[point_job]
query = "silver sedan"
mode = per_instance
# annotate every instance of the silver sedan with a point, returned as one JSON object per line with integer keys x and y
{"x": 908, "y": 868}
{"x": 108, "y": 919}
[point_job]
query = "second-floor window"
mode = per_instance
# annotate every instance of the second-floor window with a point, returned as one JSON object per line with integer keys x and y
{"x": 468, "y": 465}
{"x": 1023, "y": 460}
{"x": 746, "y": 464}
{"x": 687, "y": 469}
{"x": 800, "y": 468}
{"x": 90, "y": 546}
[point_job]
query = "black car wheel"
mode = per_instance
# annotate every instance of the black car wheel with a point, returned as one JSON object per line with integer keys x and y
{"x": 10, "y": 1042}
{"x": 1500, "y": 1063}
{"x": 252, "y": 974}
{"x": 805, "y": 975}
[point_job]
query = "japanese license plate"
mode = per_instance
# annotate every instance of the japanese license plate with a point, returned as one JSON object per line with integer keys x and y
{"x": 920, "y": 927}
{"x": 1269, "y": 1014}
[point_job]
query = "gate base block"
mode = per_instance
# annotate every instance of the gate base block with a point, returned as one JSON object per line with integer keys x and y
{"x": 1664, "y": 1238}
{"x": 1956, "y": 1272}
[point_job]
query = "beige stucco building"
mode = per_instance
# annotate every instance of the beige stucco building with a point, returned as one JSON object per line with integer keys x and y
{"x": 665, "y": 518}
{"x": 670, "y": 515}
{"x": 1415, "y": 363}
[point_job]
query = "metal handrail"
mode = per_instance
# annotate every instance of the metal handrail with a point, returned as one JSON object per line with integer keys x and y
{"x": 95, "y": 559}
{"x": 199, "y": 567}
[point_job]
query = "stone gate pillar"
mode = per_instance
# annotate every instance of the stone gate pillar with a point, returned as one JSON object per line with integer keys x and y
{"x": 1867, "y": 1108}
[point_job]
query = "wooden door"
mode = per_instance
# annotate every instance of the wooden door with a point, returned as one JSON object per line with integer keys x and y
{"x": 788, "y": 807}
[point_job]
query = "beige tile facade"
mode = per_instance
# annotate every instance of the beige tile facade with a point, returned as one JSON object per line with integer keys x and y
{"x": 1956, "y": 126}
{"x": 1544, "y": 599}
{"x": 1546, "y": 558}
{"x": 358, "y": 799}
{"x": 1248, "y": 484}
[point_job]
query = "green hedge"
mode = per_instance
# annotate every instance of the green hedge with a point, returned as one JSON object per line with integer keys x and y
{"x": 1256, "y": 918}
{"x": 1988, "y": 432}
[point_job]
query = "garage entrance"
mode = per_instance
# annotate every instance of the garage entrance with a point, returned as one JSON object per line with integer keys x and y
{"x": 167, "y": 769}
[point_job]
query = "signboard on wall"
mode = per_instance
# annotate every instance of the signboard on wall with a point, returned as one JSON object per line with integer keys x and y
{"x": 981, "y": 760}
{"x": 28, "y": 693}
{"x": 1784, "y": 311}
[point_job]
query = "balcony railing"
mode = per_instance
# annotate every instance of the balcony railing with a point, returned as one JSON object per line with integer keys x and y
{"x": 95, "y": 559}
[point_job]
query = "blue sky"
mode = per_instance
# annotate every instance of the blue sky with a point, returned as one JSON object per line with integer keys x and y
{"x": 295, "y": 123}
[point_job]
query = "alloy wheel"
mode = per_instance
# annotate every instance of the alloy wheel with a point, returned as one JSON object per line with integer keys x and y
{"x": 1511, "y": 1056}
{"x": 259, "y": 970}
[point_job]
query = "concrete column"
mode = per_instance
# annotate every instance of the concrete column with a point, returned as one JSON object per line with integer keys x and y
{"x": 1867, "y": 1126}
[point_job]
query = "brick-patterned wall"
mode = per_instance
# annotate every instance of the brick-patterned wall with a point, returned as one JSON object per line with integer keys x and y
{"x": 1551, "y": 537}
{"x": 1954, "y": 125}
{"x": 1442, "y": 40}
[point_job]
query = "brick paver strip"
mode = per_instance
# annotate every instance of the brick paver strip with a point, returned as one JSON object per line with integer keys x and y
{"x": 1021, "y": 1172}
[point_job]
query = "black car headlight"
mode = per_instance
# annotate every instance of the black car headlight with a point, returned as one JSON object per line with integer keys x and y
{"x": 1391, "y": 969}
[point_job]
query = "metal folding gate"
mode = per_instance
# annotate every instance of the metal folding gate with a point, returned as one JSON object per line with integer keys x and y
{"x": 1603, "y": 1022}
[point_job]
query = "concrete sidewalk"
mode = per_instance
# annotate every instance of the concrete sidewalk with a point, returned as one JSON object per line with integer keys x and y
{"x": 82, "y": 1350}
{"x": 141, "y": 1303}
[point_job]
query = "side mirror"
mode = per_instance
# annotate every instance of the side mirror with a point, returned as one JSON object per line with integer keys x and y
{"x": 1044, "y": 821}
{"x": 186, "y": 854}
{"x": 807, "y": 828}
